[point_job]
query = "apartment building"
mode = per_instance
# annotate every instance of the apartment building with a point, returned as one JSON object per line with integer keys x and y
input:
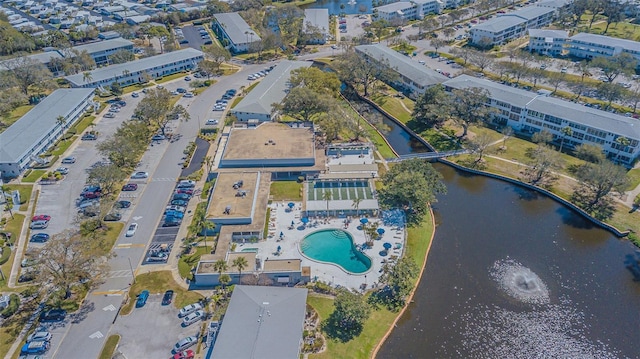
{"x": 408, "y": 10}
{"x": 234, "y": 33}
{"x": 549, "y": 42}
{"x": 513, "y": 25}
{"x": 589, "y": 46}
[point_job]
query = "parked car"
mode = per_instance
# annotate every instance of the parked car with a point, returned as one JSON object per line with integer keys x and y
{"x": 35, "y": 347}
{"x": 174, "y": 208}
{"x": 174, "y": 214}
{"x": 182, "y": 196}
{"x": 62, "y": 170}
{"x": 186, "y": 184}
{"x": 142, "y": 298}
{"x": 122, "y": 204}
{"x": 186, "y": 310}
{"x": 184, "y": 344}
{"x": 187, "y": 78}
{"x": 211, "y": 122}
{"x": 41, "y": 217}
{"x": 109, "y": 115}
{"x": 167, "y": 298}
{"x": 68, "y": 160}
{"x": 53, "y": 315}
{"x": 188, "y": 95}
{"x": 192, "y": 318}
{"x": 112, "y": 217}
{"x": 39, "y": 224}
{"x": 89, "y": 137}
{"x": 188, "y": 191}
{"x": 131, "y": 230}
{"x": 84, "y": 203}
{"x": 129, "y": 187}
{"x": 171, "y": 222}
{"x": 181, "y": 90}
{"x": 139, "y": 175}
{"x": 179, "y": 202}
{"x": 39, "y": 238}
{"x": 135, "y": 94}
{"x": 187, "y": 354}
{"x": 90, "y": 195}
{"x": 41, "y": 334}
{"x": 27, "y": 276}
{"x": 158, "y": 138}
{"x": 158, "y": 257}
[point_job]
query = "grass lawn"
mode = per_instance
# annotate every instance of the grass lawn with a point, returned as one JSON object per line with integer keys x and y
{"x": 377, "y": 139}
{"x": 109, "y": 347}
{"x": 185, "y": 263}
{"x": 62, "y": 146}
{"x": 634, "y": 178}
{"x": 83, "y": 124}
{"x": 393, "y": 105}
{"x": 361, "y": 347}
{"x": 158, "y": 282}
{"x": 12, "y": 326}
{"x": 235, "y": 101}
{"x": 33, "y": 176}
{"x": 111, "y": 236}
{"x": 15, "y": 115}
{"x": 13, "y": 226}
{"x": 25, "y": 193}
{"x": 286, "y": 191}
{"x": 623, "y": 30}
{"x": 265, "y": 231}
{"x": 171, "y": 77}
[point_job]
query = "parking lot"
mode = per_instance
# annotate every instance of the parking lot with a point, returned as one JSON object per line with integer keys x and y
{"x": 151, "y": 331}
{"x": 192, "y": 35}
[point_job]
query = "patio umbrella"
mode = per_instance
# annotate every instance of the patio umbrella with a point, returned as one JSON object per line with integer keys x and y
{"x": 386, "y": 245}
{"x": 281, "y": 234}
{"x": 380, "y": 231}
{"x": 304, "y": 220}
{"x": 293, "y": 223}
{"x": 291, "y": 205}
{"x": 279, "y": 248}
{"x": 364, "y": 220}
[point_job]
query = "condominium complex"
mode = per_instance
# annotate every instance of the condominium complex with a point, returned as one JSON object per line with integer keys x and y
{"x": 411, "y": 10}
{"x": 548, "y": 42}
{"x": 101, "y": 51}
{"x": 234, "y": 33}
{"x": 527, "y": 113}
{"x": 317, "y": 19}
{"x": 413, "y": 78}
{"x": 581, "y": 45}
{"x": 512, "y": 25}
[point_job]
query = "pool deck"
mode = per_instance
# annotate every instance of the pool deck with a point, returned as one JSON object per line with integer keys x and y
{"x": 280, "y": 221}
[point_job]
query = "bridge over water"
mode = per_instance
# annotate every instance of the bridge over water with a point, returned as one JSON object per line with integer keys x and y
{"x": 428, "y": 155}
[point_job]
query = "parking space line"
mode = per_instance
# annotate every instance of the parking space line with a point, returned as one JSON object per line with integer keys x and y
{"x": 130, "y": 245}
{"x": 110, "y": 292}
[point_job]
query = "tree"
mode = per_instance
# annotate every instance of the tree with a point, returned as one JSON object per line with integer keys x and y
{"x": 69, "y": 259}
{"x": 326, "y": 196}
{"x": 449, "y": 32}
{"x": 27, "y": 72}
{"x": 351, "y": 311}
{"x": 322, "y": 82}
{"x": 289, "y": 19}
{"x": 535, "y": 75}
{"x": 159, "y": 32}
{"x": 614, "y": 66}
{"x": 379, "y": 28}
{"x": 357, "y": 71}
{"x": 115, "y": 88}
{"x": 107, "y": 177}
{"x": 121, "y": 56}
{"x": 126, "y": 145}
{"x": 598, "y": 181}
{"x": 621, "y": 144}
{"x": 556, "y": 79}
{"x": 507, "y": 132}
{"x": 610, "y": 91}
{"x": 87, "y": 77}
{"x": 614, "y": 12}
{"x": 544, "y": 161}
{"x": 463, "y": 53}
{"x": 216, "y": 56}
{"x": 480, "y": 59}
{"x": 220, "y": 266}
{"x": 356, "y": 204}
{"x": 11, "y": 97}
{"x": 566, "y": 132}
{"x": 156, "y": 109}
{"x": 590, "y": 153}
{"x": 480, "y": 144}
{"x": 468, "y": 106}
{"x": 398, "y": 282}
{"x": 411, "y": 185}
{"x": 224, "y": 280}
{"x": 437, "y": 44}
{"x": 433, "y": 107}
{"x": 303, "y": 103}
{"x": 542, "y": 137}
{"x": 240, "y": 263}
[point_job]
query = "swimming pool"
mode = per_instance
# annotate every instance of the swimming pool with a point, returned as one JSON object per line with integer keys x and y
{"x": 253, "y": 250}
{"x": 335, "y": 246}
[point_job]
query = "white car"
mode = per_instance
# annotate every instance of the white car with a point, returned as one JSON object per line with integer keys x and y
{"x": 211, "y": 122}
{"x": 192, "y": 318}
{"x": 62, "y": 170}
{"x": 40, "y": 335}
{"x": 139, "y": 175}
{"x": 185, "y": 344}
{"x": 189, "y": 309}
{"x": 188, "y": 95}
{"x": 133, "y": 227}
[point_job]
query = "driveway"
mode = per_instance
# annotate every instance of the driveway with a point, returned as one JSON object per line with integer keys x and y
{"x": 151, "y": 331}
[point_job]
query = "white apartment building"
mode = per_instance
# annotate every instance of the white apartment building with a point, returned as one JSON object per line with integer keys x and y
{"x": 548, "y": 42}
{"x": 318, "y": 18}
{"x": 527, "y": 113}
{"x": 234, "y": 33}
{"x": 589, "y": 46}
{"x": 409, "y": 10}
{"x": 505, "y": 27}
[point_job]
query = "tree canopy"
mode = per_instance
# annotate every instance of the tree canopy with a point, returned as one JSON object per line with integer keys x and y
{"x": 598, "y": 182}
{"x": 348, "y": 318}
{"x": 397, "y": 281}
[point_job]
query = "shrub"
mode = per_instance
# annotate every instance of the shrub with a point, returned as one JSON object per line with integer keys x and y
{"x": 27, "y": 172}
{"x": 12, "y": 308}
{"x": 6, "y": 253}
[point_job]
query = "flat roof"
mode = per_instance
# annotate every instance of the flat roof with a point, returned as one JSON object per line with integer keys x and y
{"x": 104, "y": 45}
{"x": 250, "y": 257}
{"x": 566, "y": 110}
{"x": 318, "y": 18}
{"x": 396, "y": 6}
{"x": 253, "y": 143}
{"x": 42, "y": 57}
{"x": 284, "y": 265}
{"x": 109, "y": 72}
{"x": 607, "y": 41}
{"x": 262, "y": 322}
{"x": 499, "y": 23}
{"x": 224, "y": 195}
{"x": 235, "y": 27}
{"x": 557, "y": 34}
{"x": 31, "y": 128}
{"x": 272, "y": 89}
{"x": 403, "y": 65}
{"x": 530, "y": 12}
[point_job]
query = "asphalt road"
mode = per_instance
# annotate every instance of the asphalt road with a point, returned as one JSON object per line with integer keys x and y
{"x": 162, "y": 162}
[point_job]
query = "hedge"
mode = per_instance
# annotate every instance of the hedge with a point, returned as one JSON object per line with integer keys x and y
{"x": 6, "y": 253}
{"x": 12, "y": 308}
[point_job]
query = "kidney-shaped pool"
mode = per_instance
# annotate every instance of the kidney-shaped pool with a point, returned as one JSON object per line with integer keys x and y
{"x": 335, "y": 246}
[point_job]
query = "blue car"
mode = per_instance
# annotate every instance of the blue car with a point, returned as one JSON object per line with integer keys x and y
{"x": 175, "y": 214}
{"x": 142, "y": 299}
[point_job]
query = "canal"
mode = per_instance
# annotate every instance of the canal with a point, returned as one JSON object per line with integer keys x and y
{"x": 513, "y": 274}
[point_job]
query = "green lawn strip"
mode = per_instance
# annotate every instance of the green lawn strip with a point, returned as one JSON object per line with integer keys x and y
{"x": 170, "y": 77}
{"x": 82, "y": 125}
{"x": 34, "y": 176}
{"x": 159, "y": 282}
{"x": 185, "y": 263}
{"x": 13, "y": 226}
{"x": 286, "y": 191}
{"x": 11, "y": 327}
{"x": 25, "y": 193}
{"x": 62, "y": 146}
{"x": 634, "y": 179}
{"x": 265, "y": 231}
{"x": 111, "y": 235}
{"x": 360, "y": 347}
{"x": 378, "y": 140}
{"x": 439, "y": 140}
{"x": 109, "y": 347}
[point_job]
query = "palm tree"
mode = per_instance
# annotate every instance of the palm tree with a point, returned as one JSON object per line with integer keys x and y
{"x": 240, "y": 263}
{"x": 356, "y": 204}
{"x": 60, "y": 120}
{"x": 326, "y": 196}
{"x": 623, "y": 142}
{"x": 208, "y": 161}
{"x": 220, "y": 266}
{"x": 566, "y": 132}
{"x": 224, "y": 280}
{"x": 86, "y": 76}
{"x": 206, "y": 226}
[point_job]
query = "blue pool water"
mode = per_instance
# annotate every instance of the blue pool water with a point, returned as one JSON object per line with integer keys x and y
{"x": 335, "y": 246}
{"x": 250, "y": 250}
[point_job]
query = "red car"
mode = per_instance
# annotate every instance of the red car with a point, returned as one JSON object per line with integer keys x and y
{"x": 188, "y": 191}
{"x": 130, "y": 187}
{"x": 91, "y": 195}
{"x": 41, "y": 217}
{"x": 187, "y": 354}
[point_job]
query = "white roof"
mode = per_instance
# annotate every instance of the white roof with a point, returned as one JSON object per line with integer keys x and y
{"x": 104, "y": 45}
{"x": 556, "y": 34}
{"x": 606, "y": 41}
{"x": 235, "y": 27}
